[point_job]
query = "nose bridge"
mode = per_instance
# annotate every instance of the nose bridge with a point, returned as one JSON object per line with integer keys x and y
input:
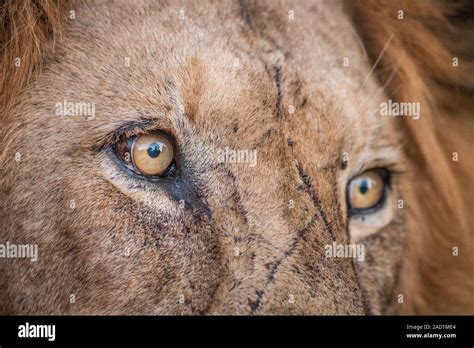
{"x": 274, "y": 224}
{"x": 252, "y": 222}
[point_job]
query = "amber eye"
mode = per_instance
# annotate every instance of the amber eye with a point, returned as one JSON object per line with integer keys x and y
{"x": 149, "y": 154}
{"x": 152, "y": 154}
{"x": 366, "y": 192}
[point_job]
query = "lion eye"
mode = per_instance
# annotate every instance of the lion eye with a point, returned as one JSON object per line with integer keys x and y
{"x": 149, "y": 154}
{"x": 366, "y": 192}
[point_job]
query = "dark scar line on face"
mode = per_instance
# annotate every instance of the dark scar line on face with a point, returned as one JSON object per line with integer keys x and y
{"x": 254, "y": 305}
{"x": 299, "y": 236}
{"x": 277, "y": 69}
{"x": 362, "y": 290}
{"x": 276, "y": 77}
{"x": 237, "y": 197}
{"x": 273, "y": 266}
{"x": 245, "y": 15}
{"x": 278, "y": 83}
{"x": 264, "y": 137}
{"x": 256, "y": 238}
{"x": 337, "y": 206}
{"x": 316, "y": 200}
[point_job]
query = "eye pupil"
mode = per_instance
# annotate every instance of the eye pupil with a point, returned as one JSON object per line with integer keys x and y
{"x": 154, "y": 150}
{"x": 364, "y": 186}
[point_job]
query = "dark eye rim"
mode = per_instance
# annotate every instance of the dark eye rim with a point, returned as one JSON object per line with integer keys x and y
{"x": 173, "y": 168}
{"x": 385, "y": 175}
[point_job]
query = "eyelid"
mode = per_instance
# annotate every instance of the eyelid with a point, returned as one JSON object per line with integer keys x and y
{"x": 388, "y": 171}
{"x": 131, "y": 129}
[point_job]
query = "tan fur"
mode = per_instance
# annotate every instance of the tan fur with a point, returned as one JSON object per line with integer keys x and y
{"x": 431, "y": 35}
{"x": 183, "y": 79}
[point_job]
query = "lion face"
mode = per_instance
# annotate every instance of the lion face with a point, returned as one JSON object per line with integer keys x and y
{"x": 273, "y": 135}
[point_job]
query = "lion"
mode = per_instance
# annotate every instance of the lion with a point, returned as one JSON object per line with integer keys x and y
{"x": 232, "y": 157}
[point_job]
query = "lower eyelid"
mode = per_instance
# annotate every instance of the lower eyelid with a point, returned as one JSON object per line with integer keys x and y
{"x": 374, "y": 209}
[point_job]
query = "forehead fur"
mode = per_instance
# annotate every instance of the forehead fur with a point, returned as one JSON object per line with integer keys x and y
{"x": 137, "y": 71}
